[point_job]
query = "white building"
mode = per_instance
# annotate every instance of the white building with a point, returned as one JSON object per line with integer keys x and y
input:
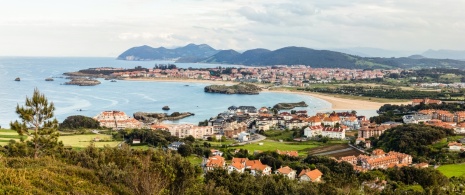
{"x": 335, "y": 133}
{"x": 243, "y": 137}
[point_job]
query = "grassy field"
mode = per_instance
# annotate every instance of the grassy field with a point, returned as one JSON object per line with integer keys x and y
{"x": 269, "y": 145}
{"x": 196, "y": 161}
{"x": 82, "y": 141}
{"x": 453, "y": 170}
{"x": 7, "y": 135}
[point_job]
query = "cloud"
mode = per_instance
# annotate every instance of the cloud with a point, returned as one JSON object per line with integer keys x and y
{"x": 285, "y": 14}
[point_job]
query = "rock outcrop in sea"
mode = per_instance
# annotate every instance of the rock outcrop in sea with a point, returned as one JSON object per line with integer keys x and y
{"x": 288, "y": 106}
{"x": 149, "y": 117}
{"x": 242, "y": 88}
{"x": 83, "y": 82}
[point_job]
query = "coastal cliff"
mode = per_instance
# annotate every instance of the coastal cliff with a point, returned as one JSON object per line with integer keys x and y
{"x": 288, "y": 106}
{"x": 242, "y": 88}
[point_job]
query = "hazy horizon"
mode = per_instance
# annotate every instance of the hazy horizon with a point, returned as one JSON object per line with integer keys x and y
{"x": 107, "y": 28}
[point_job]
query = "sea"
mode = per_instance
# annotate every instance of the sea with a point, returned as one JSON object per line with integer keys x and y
{"x": 127, "y": 96}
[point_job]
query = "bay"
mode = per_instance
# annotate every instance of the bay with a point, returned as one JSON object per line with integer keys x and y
{"x": 127, "y": 96}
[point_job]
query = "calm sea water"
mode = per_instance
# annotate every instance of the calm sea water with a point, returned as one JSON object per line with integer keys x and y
{"x": 127, "y": 96}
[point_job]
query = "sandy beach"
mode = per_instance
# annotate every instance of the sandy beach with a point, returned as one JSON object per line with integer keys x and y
{"x": 342, "y": 103}
{"x": 336, "y": 102}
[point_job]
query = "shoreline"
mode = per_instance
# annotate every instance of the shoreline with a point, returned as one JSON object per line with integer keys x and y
{"x": 337, "y": 103}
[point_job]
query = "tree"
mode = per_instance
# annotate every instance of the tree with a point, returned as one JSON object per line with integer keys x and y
{"x": 37, "y": 115}
{"x": 185, "y": 150}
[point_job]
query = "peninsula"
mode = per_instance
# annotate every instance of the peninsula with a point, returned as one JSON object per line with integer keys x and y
{"x": 241, "y": 88}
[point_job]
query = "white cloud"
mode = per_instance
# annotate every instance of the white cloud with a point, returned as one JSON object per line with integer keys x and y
{"x": 108, "y": 27}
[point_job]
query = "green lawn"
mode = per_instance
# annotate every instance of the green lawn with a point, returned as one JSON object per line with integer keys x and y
{"x": 216, "y": 144}
{"x": 196, "y": 161}
{"x": 7, "y": 135}
{"x": 82, "y": 141}
{"x": 453, "y": 170}
{"x": 269, "y": 145}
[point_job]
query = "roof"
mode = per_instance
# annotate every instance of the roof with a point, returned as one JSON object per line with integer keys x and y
{"x": 215, "y": 161}
{"x": 455, "y": 144}
{"x": 313, "y": 175}
{"x": 285, "y": 170}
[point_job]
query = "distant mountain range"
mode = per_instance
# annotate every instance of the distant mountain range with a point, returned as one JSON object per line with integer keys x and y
{"x": 285, "y": 56}
{"x": 445, "y": 54}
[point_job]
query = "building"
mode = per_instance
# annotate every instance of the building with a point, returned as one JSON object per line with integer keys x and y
{"x": 425, "y": 101}
{"x": 373, "y": 130}
{"x": 334, "y": 133}
{"x": 214, "y": 162}
{"x": 286, "y": 172}
{"x": 175, "y": 145}
{"x": 243, "y": 137}
{"x": 310, "y": 175}
{"x": 117, "y": 120}
{"x": 381, "y": 160}
{"x": 454, "y": 146}
{"x": 186, "y": 130}
{"x": 257, "y": 167}
{"x": 416, "y": 118}
{"x": 313, "y": 131}
{"x": 237, "y": 164}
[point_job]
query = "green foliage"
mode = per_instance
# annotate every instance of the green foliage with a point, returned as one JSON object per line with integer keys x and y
{"x": 78, "y": 122}
{"x": 155, "y": 138}
{"x": 37, "y": 115}
{"x": 185, "y": 150}
{"x": 412, "y": 139}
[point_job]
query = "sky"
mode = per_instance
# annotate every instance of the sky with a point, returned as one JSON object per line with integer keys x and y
{"x": 109, "y": 27}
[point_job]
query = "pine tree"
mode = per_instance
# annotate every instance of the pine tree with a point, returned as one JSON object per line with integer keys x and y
{"x": 37, "y": 123}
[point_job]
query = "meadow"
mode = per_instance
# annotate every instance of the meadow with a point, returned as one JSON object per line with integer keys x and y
{"x": 453, "y": 170}
{"x": 269, "y": 145}
{"x": 82, "y": 141}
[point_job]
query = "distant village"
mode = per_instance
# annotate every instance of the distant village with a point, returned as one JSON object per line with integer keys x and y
{"x": 297, "y": 75}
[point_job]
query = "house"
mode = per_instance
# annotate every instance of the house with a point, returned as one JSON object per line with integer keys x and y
{"x": 213, "y": 162}
{"x": 286, "y": 172}
{"x": 243, "y": 137}
{"x": 135, "y": 141}
{"x": 334, "y": 133}
{"x": 310, "y": 175}
{"x": 331, "y": 121}
{"x": 257, "y": 167}
{"x": 350, "y": 159}
{"x": 454, "y": 146}
{"x": 421, "y": 165}
{"x": 313, "y": 131}
{"x": 237, "y": 164}
{"x": 216, "y": 152}
{"x": 175, "y": 145}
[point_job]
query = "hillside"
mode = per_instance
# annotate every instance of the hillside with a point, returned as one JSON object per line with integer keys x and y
{"x": 285, "y": 56}
{"x": 191, "y": 51}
